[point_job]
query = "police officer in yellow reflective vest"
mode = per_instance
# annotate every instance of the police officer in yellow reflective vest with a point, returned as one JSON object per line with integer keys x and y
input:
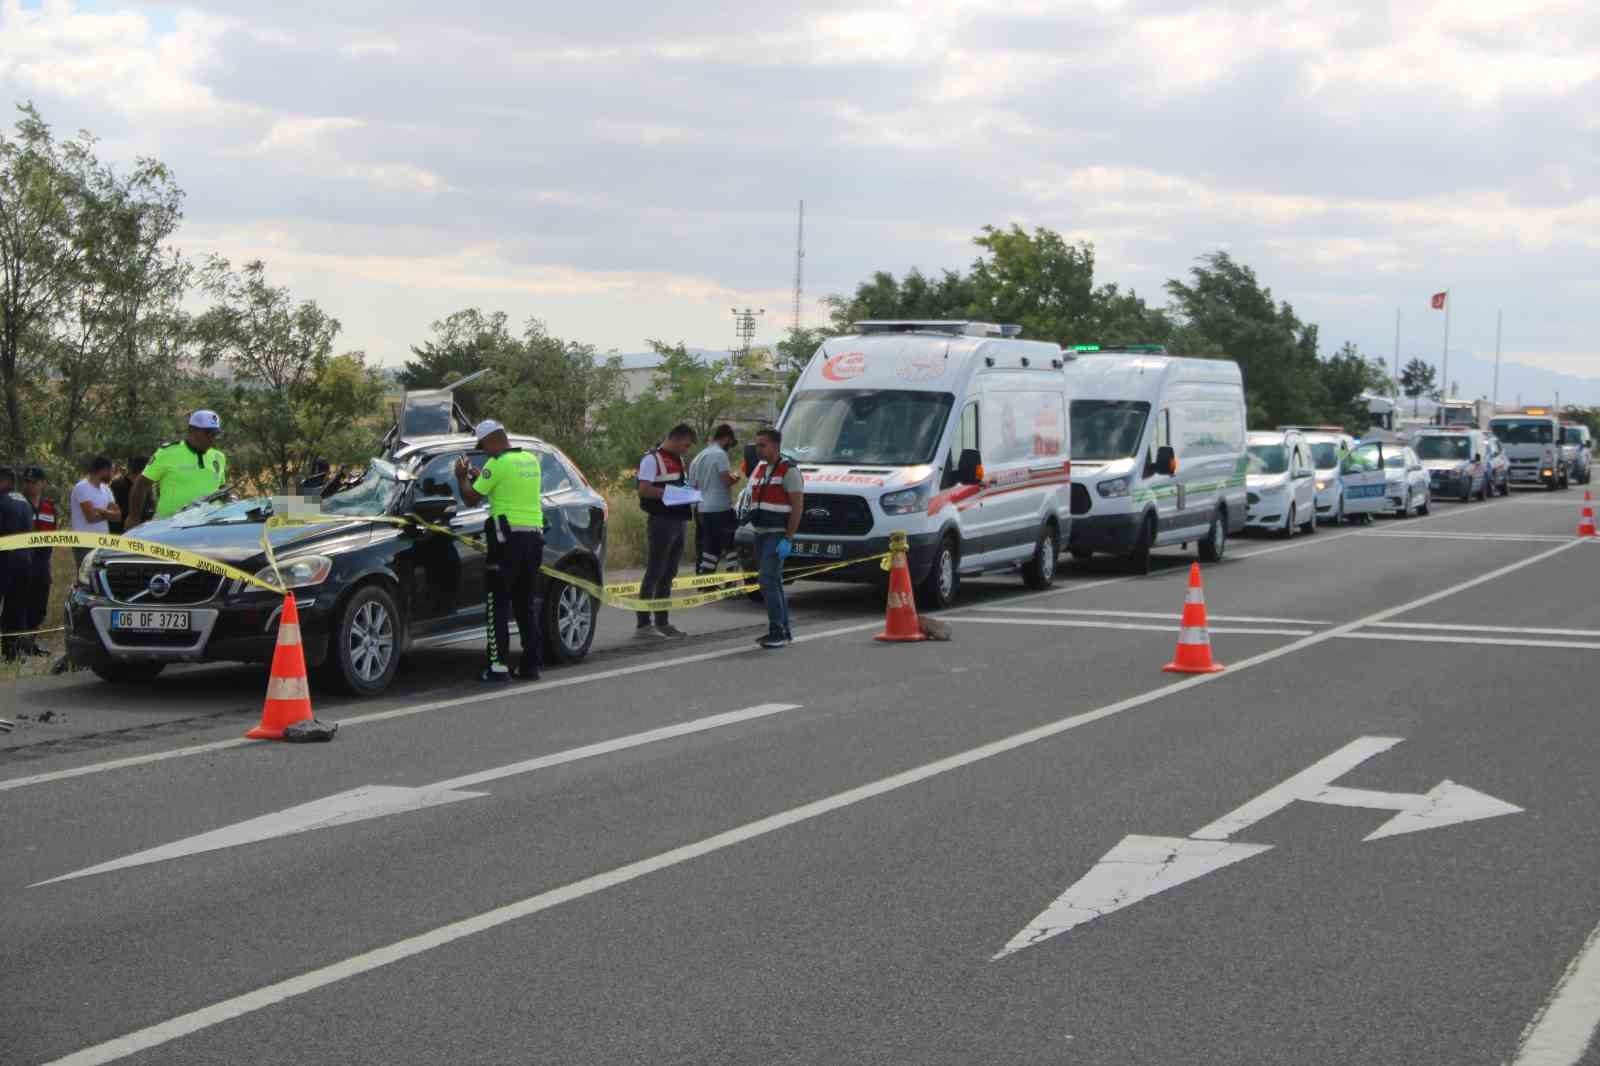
{"x": 183, "y": 471}
{"x": 514, "y": 535}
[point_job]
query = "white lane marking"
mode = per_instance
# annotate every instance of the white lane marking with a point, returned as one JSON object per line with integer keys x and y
{"x": 603, "y": 675}
{"x": 1509, "y": 538}
{"x": 1172, "y": 615}
{"x": 1486, "y": 628}
{"x": 268, "y": 995}
{"x": 1446, "y": 803}
{"x": 1562, "y": 1031}
{"x": 1487, "y": 641}
{"x": 379, "y": 801}
{"x": 1137, "y": 868}
{"x": 1084, "y": 623}
{"x": 1141, "y": 866}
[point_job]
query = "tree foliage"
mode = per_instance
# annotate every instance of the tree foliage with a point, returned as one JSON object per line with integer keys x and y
{"x": 1418, "y": 379}
{"x": 551, "y": 387}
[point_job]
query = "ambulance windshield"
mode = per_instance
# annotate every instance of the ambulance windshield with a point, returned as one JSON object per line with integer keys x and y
{"x": 1103, "y": 430}
{"x": 871, "y": 427}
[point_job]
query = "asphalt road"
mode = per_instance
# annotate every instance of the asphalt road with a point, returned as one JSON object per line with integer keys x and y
{"x": 893, "y": 855}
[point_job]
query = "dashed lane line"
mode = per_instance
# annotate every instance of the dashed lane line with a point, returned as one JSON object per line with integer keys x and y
{"x": 269, "y": 995}
{"x": 1483, "y": 641}
{"x": 1538, "y": 630}
{"x": 1562, "y": 1031}
{"x": 1168, "y": 615}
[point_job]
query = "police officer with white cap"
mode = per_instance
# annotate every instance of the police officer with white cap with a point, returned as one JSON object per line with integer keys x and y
{"x": 510, "y": 480}
{"x": 185, "y": 471}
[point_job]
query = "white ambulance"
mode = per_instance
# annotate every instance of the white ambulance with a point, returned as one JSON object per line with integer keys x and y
{"x": 954, "y": 433}
{"x": 1158, "y": 452}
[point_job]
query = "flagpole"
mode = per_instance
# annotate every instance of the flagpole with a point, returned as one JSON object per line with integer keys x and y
{"x": 1496, "y": 400}
{"x": 1397, "y": 353}
{"x": 1444, "y": 386}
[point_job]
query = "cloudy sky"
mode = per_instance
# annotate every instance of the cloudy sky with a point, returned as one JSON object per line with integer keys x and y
{"x": 631, "y": 169}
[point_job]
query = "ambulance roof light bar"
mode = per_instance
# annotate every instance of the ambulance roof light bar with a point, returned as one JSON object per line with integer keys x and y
{"x": 951, "y": 327}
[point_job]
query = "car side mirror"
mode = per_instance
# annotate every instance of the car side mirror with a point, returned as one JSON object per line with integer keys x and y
{"x": 1477, "y": 458}
{"x": 969, "y": 469}
{"x": 1165, "y": 462}
{"x": 1302, "y": 475}
{"x": 435, "y": 509}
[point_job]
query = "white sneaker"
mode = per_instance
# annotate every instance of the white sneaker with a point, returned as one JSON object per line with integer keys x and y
{"x": 671, "y": 631}
{"x": 648, "y": 633}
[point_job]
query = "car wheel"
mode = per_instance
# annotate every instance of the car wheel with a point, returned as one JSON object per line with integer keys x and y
{"x": 1553, "y": 484}
{"x": 128, "y": 671}
{"x": 1216, "y": 543}
{"x": 1040, "y": 571}
{"x": 1427, "y": 503}
{"x": 364, "y": 647}
{"x": 1139, "y": 558}
{"x": 1310, "y": 525}
{"x": 568, "y": 622}
{"x": 1288, "y": 524}
{"x": 938, "y": 590}
{"x": 1566, "y": 479}
{"x": 1466, "y": 492}
{"x": 1338, "y": 513}
{"x": 1404, "y": 510}
{"x": 1483, "y": 491}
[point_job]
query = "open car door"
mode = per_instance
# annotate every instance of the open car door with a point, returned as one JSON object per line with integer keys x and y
{"x": 1363, "y": 475}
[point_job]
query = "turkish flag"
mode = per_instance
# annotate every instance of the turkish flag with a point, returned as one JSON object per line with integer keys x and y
{"x": 1438, "y": 301}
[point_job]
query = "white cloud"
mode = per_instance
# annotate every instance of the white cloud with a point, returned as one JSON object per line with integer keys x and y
{"x": 630, "y": 170}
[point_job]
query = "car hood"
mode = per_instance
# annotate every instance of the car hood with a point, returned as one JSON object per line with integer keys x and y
{"x": 239, "y": 543}
{"x": 1098, "y": 468}
{"x": 1267, "y": 482}
{"x": 1444, "y": 464}
{"x": 862, "y": 480}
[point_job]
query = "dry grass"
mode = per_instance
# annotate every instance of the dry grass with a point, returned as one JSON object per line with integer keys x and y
{"x": 625, "y": 532}
{"x": 63, "y": 572}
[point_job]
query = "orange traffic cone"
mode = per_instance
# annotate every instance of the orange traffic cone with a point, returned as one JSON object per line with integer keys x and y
{"x": 1586, "y": 522}
{"x": 900, "y": 619}
{"x": 1194, "y": 642}
{"x": 288, "y": 696}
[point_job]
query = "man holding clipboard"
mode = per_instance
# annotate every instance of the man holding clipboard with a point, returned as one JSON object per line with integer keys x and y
{"x": 664, "y": 495}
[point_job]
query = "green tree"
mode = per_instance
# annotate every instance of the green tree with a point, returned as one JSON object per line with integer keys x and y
{"x": 462, "y": 343}
{"x": 42, "y": 199}
{"x": 277, "y": 352}
{"x": 1346, "y": 375}
{"x": 1418, "y": 379}
{"x": 950, "y": 296}
{"x": 1277, "y": 353}
{"x": 703, "y": 393}
{"x": 551, "y": 387}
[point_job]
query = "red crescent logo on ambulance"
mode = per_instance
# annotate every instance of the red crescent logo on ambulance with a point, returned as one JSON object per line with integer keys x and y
{"x": 845, "y": 366}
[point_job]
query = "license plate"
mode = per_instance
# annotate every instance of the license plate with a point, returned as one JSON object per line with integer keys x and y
{"x": 152, "y": 620}
{"x": 817, "y": 548}
{"x": 1360, "y": 492}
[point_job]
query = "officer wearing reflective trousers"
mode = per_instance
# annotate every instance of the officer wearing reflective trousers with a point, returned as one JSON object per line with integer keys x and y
{"x": 514, "y": 536}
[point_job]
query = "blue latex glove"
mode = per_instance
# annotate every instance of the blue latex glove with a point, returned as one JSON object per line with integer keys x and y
{"x": 785, "y": 549}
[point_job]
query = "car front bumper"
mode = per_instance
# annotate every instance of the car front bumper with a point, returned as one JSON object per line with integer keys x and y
{"x": 237, "y": 628}
{"x": 1115, "y": 534}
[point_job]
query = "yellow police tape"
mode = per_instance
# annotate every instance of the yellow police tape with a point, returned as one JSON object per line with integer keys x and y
{"x": 133, "y": 546}
{"x": 610, "y": 595}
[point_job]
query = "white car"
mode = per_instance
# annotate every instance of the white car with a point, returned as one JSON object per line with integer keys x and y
{"x": 1280, "y": 482}
{"x": 1329, "y": 445}
{"x": 1403, "y": 489}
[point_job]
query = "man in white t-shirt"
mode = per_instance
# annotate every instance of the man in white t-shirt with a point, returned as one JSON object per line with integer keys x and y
{"x": 94, "y": 507}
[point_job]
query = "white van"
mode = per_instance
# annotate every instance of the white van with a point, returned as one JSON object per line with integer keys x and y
{"x": 954, "y": 433}
{"x": 1158, "y": 454}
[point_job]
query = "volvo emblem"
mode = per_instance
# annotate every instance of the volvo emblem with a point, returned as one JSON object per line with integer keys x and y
{"x": 818, "y": 512}
{"x": 160, "y": 585}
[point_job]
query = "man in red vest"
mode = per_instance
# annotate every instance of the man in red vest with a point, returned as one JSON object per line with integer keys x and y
{"x": 777, "y": 500}
{"x": 662, "y": 468}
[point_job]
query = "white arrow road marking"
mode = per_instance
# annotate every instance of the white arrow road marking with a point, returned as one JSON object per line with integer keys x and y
{"x": 379, "y": 801}
{"x": 1140, "y": 866}
{"x": 1137, "y": 868}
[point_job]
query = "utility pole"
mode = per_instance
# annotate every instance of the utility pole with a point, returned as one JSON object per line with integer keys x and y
{"x": 1495, "y": 402}
{"x": 799, "y": 265}
{"x": 744, "y": 327}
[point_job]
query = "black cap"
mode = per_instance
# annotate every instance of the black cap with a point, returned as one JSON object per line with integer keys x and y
{"x": 7, "y": 474}
{"x": 34, "y": 473}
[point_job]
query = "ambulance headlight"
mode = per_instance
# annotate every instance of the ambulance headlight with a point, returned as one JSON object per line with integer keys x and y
{"x": 907, "y": 501}
{"x": 1114, "y": 487}
{"x": 299, "y": 573}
